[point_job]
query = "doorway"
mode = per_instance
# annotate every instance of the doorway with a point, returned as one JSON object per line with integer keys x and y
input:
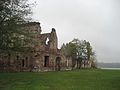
{"x": 46, "y": 61}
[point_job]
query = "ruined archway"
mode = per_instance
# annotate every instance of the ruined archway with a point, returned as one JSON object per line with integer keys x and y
{"x": 58, "y": 64}
{"x": 47, "y": 41}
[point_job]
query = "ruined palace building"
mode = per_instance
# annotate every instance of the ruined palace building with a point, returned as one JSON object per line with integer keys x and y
{"x": 45, "y": 55}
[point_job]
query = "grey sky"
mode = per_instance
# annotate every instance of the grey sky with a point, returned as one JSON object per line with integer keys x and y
{"x": 97, "y": 21}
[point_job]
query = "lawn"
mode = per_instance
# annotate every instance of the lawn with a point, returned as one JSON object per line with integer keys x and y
{"x": 64, "y": 80}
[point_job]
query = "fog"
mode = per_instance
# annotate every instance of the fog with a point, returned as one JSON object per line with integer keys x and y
{"x": 97, "y": 21}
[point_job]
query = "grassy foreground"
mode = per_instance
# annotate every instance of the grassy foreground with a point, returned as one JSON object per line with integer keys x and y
{"x": 65, "y": 80}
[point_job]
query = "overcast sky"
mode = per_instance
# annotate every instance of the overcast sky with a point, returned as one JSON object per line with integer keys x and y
{"x": 97, "y": 21}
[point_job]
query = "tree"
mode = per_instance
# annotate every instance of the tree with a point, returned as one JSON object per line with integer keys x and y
{"x": 13, "y": 14}
{"x": 69, "y": 50}
{"x": 79, "y": 51}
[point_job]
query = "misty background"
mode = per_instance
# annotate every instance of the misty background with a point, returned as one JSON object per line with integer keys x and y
{"x": 97, "y": 21}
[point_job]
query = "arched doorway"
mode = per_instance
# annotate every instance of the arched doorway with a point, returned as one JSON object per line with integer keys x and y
{"x": 58, "y": 66}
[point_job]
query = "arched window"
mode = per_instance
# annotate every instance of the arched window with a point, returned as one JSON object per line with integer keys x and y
{"x": 26, "y": 59}
{"x": 23, "y": 63}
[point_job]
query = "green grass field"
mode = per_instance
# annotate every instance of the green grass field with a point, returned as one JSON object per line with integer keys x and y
{"x": 64, "y": 80}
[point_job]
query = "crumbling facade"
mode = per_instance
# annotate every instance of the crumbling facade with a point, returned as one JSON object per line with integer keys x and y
{"x": 45, "y": 55}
